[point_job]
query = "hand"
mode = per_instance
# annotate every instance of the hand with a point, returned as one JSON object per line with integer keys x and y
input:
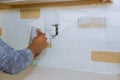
{"x": 38, "y": 43}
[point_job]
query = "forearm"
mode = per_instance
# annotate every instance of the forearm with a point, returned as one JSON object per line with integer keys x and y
{"x": 14, "y": 61}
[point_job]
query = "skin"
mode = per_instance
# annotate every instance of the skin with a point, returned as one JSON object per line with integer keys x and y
{"x": 38, "y": 44}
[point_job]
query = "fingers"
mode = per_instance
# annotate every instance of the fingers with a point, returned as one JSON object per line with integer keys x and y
{"x": 43, "y": 34}
{"x": 39, "y": 32}
{"x": 42, "y": 37}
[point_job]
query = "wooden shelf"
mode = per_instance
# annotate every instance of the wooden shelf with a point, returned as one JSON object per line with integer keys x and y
{"x": 5, "y": 6}
{"x": 53, "y": 3}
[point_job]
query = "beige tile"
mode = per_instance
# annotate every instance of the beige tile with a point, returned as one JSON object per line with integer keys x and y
{"x": 111, "y": 57}
{"x": 30, "y": 13}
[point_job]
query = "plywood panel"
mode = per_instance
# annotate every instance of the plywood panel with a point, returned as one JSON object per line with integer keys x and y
{"x": 111, "y": 57}
{"x": 29, "y": 13}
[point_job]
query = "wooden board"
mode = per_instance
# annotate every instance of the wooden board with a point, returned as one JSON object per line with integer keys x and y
{"x": 5, "y": 6}
{"x": 28, "y": 4}
{"x": 111, "y": 57}
{"x": 59, "y": 4}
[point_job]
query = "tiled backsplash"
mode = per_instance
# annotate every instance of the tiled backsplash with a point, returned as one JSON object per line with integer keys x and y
{"x": 71, "y": 49}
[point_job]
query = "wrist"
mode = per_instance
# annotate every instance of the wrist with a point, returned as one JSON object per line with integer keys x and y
{"x": 33, "y": 49}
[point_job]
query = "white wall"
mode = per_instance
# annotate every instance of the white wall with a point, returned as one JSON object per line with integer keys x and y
{"x": 15, "y": 31}
{"x": 70, "y": 50}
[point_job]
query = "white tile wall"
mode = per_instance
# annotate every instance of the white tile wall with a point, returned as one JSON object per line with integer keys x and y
{"x": 72, "y": 48}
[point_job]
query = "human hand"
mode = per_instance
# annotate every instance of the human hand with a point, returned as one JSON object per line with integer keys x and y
{"x": 38, "y": 43}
